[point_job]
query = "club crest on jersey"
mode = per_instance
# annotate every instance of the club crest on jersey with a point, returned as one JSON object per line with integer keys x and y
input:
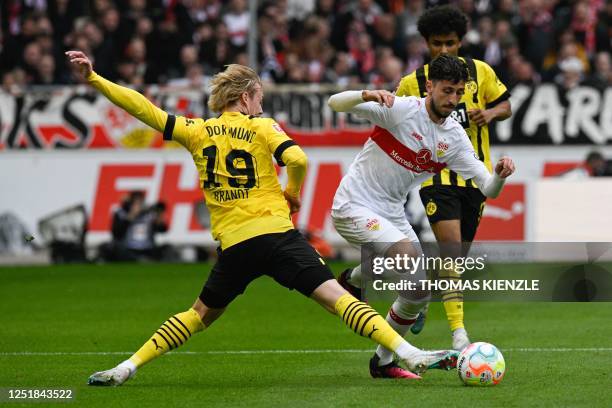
{"x": 431, "y": 208}
{"x": 423, "y": 156}
{"x": 471, "y": 87}
{"x": 373, "y": 224}
{"x": 442, "y": 148}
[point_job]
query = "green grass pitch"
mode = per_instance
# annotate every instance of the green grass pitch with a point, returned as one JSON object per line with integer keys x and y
{"x": 274, "y": 347}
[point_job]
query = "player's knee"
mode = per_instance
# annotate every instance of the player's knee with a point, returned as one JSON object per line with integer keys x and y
{"x": 327, "y": 294}
{"x": 329, "y": 308}
{"x": 410, "y": 269}
{"x": 207, "y": 314}
{"x": 401, "y": 248}
{"x": 407, "y": 299}
{"x": 447, "y": 232}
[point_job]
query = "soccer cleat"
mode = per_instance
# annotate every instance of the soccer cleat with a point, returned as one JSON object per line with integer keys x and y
{"x": 460, "y": 339}
{"x": 426, "y": 360}
{"x": 343, "y": 281}
{"x": 391, "y": 370}
{"x": 113, "y": 377}
{"x": 418, "y": 325}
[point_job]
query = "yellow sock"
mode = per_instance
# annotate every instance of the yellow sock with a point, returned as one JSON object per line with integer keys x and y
{"x": 173, "y": 333}
{"x": 454, "y": 314}
{"x": 452, "y": 300}
{"x": 366, "y": 322}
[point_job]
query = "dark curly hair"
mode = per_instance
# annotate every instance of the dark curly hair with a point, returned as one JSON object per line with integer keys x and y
{"x": 448, "y": 68}
{"x": 442, "y": 20}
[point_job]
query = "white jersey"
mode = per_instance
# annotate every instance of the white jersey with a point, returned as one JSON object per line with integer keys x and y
{"x": 405, "y": 149}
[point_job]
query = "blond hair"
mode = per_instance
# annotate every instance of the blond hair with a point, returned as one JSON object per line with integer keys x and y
{"x": 227, "y": 86}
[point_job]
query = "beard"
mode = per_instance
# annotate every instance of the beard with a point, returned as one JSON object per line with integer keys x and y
{"x": 436, "y": 111}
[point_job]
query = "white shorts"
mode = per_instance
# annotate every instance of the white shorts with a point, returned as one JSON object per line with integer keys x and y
{"x": 360, "y": 226}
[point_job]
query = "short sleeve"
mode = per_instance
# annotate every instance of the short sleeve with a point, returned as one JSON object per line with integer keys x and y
{"x": 385, "y": 117}
{"x": 278, "y": 141}
{"x": 183, "y": 130}
{"x": 494, "y": 90}
{"x": 408, "y": 86}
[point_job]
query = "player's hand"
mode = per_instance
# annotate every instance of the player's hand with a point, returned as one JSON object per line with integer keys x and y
{"x": 294, "y": 202}
{"x": 482, "y": 117}
{"x": 382, "y": 97}
{"x": 504, "y": 167}
{"x": 80, "y": 60}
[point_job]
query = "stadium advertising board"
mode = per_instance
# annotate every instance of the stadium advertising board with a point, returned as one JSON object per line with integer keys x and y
{"x": 77, "y": 118}
{"x": 99, "y": 180}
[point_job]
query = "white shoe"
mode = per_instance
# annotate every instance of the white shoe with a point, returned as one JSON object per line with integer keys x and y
{"x": 460, "y": 339}
{"x": 113, "y": 377}
{"x": 440, "y": 359}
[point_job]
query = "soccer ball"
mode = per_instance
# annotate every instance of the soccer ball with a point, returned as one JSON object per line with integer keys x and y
{"x": 481, "y": 364}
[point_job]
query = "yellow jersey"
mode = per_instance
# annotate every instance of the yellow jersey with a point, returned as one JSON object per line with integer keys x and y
{"x": 483, "y": 91}
{"x": 233, "y": 155}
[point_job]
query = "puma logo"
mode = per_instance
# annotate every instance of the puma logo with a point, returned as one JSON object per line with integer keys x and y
{"x": 372, "y": 332}
{"x": 157, "y": 347}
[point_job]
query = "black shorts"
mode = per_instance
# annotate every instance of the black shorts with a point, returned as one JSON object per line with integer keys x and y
{"x": 287, "y": 257}
{"x": 443, "y": 202}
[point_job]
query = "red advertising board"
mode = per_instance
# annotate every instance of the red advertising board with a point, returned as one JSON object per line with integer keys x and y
{"x": 504, "y": 217}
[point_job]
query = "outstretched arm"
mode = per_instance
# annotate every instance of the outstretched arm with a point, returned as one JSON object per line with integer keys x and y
{"x": 131, "y": 101}
{"x": 380, "y": 107}
{"x": 347, "y": 100}
{"x": 464, "y": 161}
{"x": 491, "y": 185}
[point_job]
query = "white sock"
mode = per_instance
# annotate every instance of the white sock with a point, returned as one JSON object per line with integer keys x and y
{"x": 354, "y": 277}
{"x": 129, "y": 365}
{"x": 458, "y": 331}
{"x": 407, "y": 351}
{"x": 401, "y": 316}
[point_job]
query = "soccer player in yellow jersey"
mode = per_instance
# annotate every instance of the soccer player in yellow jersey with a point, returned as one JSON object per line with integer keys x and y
{"x": 250, "y": 217}
{"x": 453, "y": 205}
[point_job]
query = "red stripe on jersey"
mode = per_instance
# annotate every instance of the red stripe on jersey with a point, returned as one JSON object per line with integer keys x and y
{"x": 417, "y": 162}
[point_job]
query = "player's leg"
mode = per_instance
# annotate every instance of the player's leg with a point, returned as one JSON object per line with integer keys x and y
{"x": 172, "y": 334}
{"x": 359, "y": 226}
{"x": 448, "y": 235}
{"x": 472, "y": 205}
{"x": 349, "y": 279}
{"x": 296, "y": 265}
{"x": 443, "y": 209}
{"x": 366, "y": 322}
{"x": 404, "y": 310}
{"x": 226, "y": 281}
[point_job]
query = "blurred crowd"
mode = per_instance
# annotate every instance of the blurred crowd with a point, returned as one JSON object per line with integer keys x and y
{"x": 184, "y": 42}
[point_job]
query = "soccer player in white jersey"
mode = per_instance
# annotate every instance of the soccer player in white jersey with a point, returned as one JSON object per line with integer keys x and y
{"x": 413, "y": 139}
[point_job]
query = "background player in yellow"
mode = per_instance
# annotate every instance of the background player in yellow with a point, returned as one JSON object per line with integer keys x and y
{"x": 453, "y": 205}
{"x": 250, "y": 217}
